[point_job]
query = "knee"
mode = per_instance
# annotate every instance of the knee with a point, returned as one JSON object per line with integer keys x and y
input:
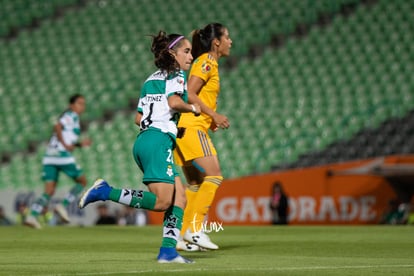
{"x": 50, "y": 192}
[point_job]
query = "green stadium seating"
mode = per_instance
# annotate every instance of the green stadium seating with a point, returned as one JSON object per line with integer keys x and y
{"x": 289, "y": 101}
{"x": 101, "y": 49}
{"x": 21, "y": 13}
{"x": 347, "y": 81}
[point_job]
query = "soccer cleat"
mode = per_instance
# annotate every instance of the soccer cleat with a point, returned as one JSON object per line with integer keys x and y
{"x": 99, "y": 191}
{"x": 201, "y": 239}
{"x": 170, "y": 255}
{"x": 32, "y": 222}
{"x": 186, "y": 246}
{"x": 62, "y": 213}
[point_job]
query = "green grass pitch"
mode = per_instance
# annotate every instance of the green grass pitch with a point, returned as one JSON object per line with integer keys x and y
{"x": 246, "y": 250}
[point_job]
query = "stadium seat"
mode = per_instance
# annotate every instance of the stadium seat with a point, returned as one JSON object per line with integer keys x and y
{"x": 286, "y": 103}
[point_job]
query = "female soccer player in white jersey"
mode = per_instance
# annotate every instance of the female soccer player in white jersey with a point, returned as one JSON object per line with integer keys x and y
{"x": 58, "y": 158}
{"x": 163, "y": 97}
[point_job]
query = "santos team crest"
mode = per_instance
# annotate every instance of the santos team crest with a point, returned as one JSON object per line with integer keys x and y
{"x": 170, "y": 171}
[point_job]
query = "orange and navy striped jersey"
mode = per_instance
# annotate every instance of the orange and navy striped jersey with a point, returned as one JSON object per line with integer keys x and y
{"x": 206, "y": 68}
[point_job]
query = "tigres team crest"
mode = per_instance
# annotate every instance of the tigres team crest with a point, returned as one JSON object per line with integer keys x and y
{"x": 205, "y": 67}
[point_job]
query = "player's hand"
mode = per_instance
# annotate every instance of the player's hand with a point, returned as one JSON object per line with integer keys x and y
{"x": 221, "y": 121}
{"x": 196, "y": 109}
{"x": 69, "y": 147}
{"x": 213, "y": 127}
{"x": 86, "y": 142}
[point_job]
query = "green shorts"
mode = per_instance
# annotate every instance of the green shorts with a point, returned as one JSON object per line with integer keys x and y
{"x": 152, "y": 152}
{"x": 51, "y": 172}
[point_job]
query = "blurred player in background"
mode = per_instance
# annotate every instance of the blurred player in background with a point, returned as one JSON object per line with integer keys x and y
{"x": 4, "y": 220}
{"x": 58, "y": 158}
{"x": 195, "y": 151}
{"x": 279, "y": 204}
{"x": 163, "y": 97}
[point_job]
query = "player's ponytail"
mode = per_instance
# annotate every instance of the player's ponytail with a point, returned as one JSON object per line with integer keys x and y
{"x": 202, "y": 39}
{"x": 199, "y": 45}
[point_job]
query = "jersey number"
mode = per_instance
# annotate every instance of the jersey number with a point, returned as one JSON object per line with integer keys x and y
{"x": 146, "y": 122}
{"x": 169, "y": 158}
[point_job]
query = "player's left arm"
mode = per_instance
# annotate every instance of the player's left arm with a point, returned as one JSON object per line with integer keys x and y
{"x": 85, "y": 142}
{"x": 195, "y": 84}
{"x": 138, "y": 118}
{"x": 58, "y": 129}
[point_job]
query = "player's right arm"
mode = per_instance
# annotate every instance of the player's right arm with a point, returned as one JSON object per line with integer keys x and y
{"x": 176, "y": 103}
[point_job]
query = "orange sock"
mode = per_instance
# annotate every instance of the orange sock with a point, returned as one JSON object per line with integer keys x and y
{"x": 191, "y": 193}
{"x": 203, "y": 200}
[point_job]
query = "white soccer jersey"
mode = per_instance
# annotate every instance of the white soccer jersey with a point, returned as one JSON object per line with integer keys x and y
{"x": 56, "y": 152}
{"x": 153, "y": 102}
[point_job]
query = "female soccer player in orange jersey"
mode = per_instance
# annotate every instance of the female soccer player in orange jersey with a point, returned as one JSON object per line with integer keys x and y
{"x": 195, "y": 151}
